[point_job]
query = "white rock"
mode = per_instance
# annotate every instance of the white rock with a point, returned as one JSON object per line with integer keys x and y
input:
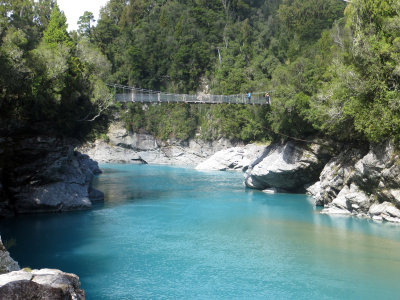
{"x": 290, "y": 166}
{"x": 335, "y": 211}
{"x": 40, "y": 284}
{"x": 235, "y": 158}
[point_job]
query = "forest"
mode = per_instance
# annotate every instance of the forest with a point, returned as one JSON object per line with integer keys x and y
{"x": 331, "y": 67}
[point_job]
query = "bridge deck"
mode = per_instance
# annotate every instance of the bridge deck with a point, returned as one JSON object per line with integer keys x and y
{"x": 130, "y": 94}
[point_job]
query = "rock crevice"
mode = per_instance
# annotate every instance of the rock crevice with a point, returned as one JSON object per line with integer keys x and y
{"x": 362, "y": 183}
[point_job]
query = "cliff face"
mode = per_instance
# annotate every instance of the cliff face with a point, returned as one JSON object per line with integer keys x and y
{"x": 362, "y": 183}
{"x": 287, "y": 167}
{"x": 44, "y": 174}
{"x": 128, "y": 147}
{"x": 353, "y": 181}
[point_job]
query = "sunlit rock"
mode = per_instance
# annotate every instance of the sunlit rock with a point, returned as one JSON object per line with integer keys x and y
{"x": 235, "y": 158}
{"x": 363, "y": 182}
{"x": 40, "y": 284}
{"x": 288, "y": 166}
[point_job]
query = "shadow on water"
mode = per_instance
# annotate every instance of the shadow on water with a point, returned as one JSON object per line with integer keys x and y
{"x": 49, "y": 240}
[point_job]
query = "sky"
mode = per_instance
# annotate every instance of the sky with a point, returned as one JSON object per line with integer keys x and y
{"x": 73, "y": 9}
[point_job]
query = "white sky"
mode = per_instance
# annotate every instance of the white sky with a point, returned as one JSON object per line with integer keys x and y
{"x": 73, "y": 9}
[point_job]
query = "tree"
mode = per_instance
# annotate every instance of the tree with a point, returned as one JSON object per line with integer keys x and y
{"x": 56, "y": 31}
{"x": 85, "y": 24}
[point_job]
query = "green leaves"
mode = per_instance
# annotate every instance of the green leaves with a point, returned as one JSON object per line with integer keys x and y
{"x": 85, "y": 24}
{"x": 45, "y": 78}
{"x": 56, "y": 32}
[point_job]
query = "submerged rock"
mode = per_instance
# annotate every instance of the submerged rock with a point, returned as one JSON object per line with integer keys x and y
{"x": 235, "y": 158}
{"x": 362, "y": 183}
{"x": 287, "y": 167}
{"x": 40, "y": 284}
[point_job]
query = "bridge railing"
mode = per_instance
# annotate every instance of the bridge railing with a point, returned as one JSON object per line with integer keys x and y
{"x": 131, "y": 94}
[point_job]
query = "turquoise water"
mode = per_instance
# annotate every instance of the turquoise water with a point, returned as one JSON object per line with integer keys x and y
{"x": 174, "y": 233}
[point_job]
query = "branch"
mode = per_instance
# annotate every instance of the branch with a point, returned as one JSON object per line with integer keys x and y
{"x": 101, "y": 110}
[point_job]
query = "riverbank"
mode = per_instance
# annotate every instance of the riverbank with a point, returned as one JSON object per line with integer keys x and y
{"x": 122, "y": 146}
{"x": 359, "y": 181}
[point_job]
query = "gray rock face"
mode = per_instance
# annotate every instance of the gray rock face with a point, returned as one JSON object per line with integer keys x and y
{"x": 288, "y": 167}
{"x": 46, "y": 284}
{"x": 7, "y": 264}
{"x": 45, "y": 174}
{"x": 334, "y": 176}
{"x": 119, "y": 136}
{"x": 189, "y": 153}
{"x": 362, "y": 184}
{"x": 127, "y": 147}
{"x": 235, "y": 158}
{"x": 105, "y": 153}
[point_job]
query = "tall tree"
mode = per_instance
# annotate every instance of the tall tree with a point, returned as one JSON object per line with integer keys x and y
{"x": 85, "y": 23}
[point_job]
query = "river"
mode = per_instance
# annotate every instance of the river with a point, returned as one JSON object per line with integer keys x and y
{"x": 177, "y": 233}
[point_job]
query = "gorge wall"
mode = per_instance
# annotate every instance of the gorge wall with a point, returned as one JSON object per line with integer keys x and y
{"x": 365, "y": 183}
{"x": 123, "y": 146}
{"x": 44, "y": 174}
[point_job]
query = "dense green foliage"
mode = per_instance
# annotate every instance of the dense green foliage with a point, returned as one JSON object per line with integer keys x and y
{"x": 207, "y": 122}
{"x": 332, "y": 68}
{"x": 48, "y": 81}
{"x": 220, "y": 47}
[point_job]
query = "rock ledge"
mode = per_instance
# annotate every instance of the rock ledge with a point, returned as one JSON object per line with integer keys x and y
{"x": 40, "y": 284}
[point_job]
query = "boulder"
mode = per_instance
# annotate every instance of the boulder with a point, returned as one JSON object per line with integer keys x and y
{"x": 288, "y": 167}
{"x": 235, "y": 158}
{"x": 45, "y": 174}
{"x": 40, "y": 284}
{"x": 384, "y": 211}
{"x": 334, "y": 176}
{"x": 350, "y": 200}
{"x": 7, "y": 264}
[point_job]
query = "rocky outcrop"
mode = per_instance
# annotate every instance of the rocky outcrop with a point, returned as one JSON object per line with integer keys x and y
{"x": 45, "y": 174}
{"x": 120, "y": 137}
{"x": 287, "y": 167}
{"x": 235, "y": 158}
{"x": 334, "y": 175}
{"x": 362, "y": 183}
{"x": 7, "y": 264}
{"x": 127, "y": 147}
{"x": 108, "y": 153}
{"x": 40, "y": 284}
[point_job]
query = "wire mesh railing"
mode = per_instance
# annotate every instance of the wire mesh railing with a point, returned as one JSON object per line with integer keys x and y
{"x": 132, "y": 94}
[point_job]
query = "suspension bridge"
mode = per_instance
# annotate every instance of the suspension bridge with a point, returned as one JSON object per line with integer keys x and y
{"x": 127, "y": 94}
